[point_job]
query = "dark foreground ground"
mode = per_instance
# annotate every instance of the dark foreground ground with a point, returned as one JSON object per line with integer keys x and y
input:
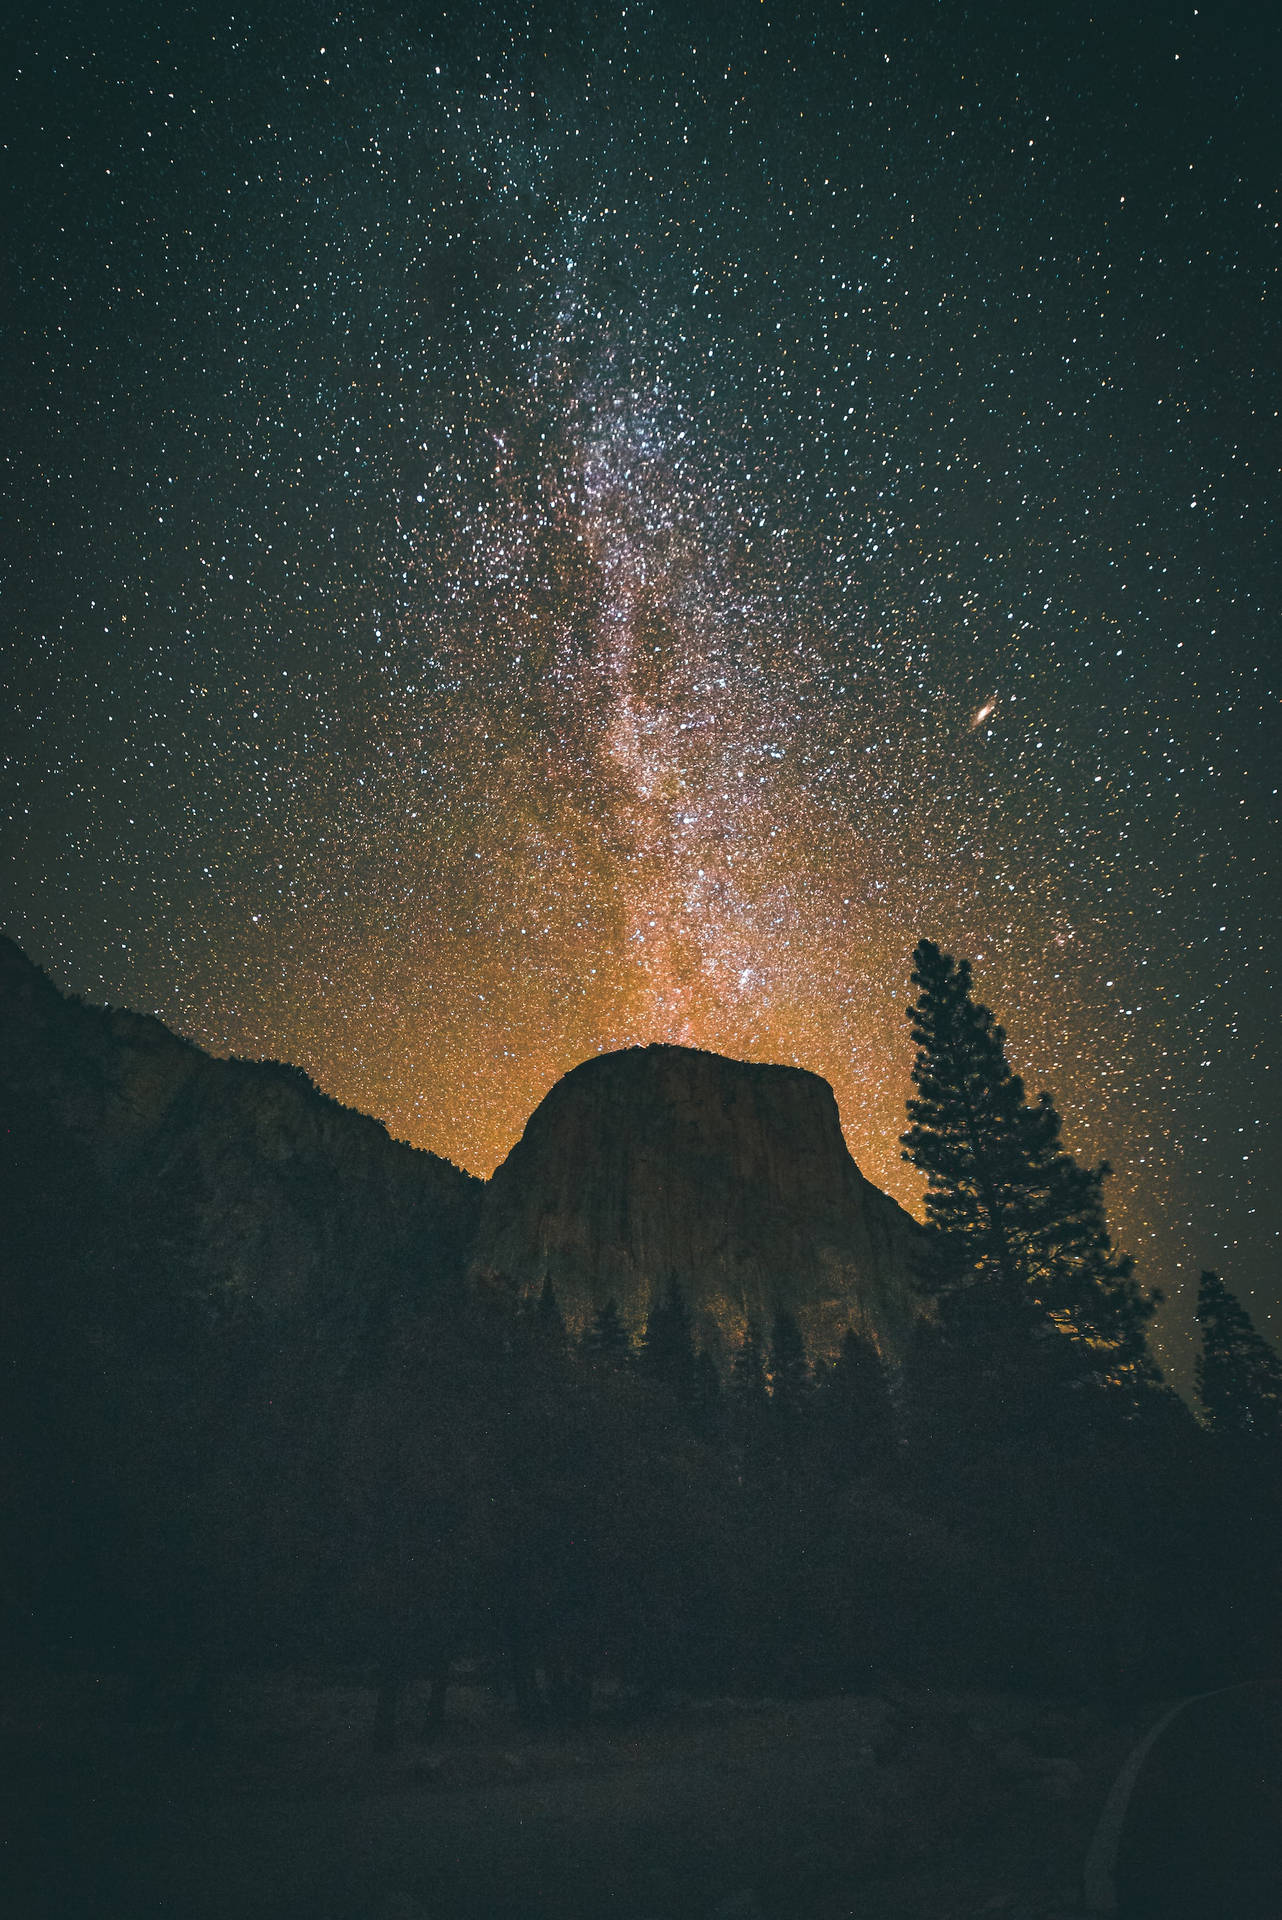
{"x": 914, "y": 1807}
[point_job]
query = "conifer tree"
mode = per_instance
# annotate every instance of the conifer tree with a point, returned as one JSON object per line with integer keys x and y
{"x": 789, "y": 1368}
{"x": 606, "y": 1338}
{"x": 748, "y": 1374}
{"x": 964, "y": 1132}
{"x": 547, "y": 1318}
{"x": 1018, "y": 1243}
{"x": 667, "y": 1349}
{"x": 857, "y": 1400}
{"x": 1238, "y": 1374}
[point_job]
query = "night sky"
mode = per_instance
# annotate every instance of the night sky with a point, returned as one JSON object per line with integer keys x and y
{"x": 531, "y": 531}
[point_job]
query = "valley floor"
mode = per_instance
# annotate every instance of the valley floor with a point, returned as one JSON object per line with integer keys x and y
{"x": 917, "y": 1807}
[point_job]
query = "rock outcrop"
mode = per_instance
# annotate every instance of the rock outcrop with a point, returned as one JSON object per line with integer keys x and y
{"x": 241, "y": 1177}
{"x": 234, "y": 1181}
{"x": 660, "y": 1163}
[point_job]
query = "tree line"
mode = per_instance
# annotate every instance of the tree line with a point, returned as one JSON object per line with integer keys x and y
{"x": 1018, "y": 1499}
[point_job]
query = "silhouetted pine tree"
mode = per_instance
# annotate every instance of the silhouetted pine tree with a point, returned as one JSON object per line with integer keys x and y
{"x": 547, "y": 1319}
{"x": 964, "y": 1132}
{"x": 1018, "y": 1245}
{"x": 606, "y": 1337}
{"x": 790, "y": 1381}
{"x": 1238, "y": 1374}
{"x": 667, "y": 1348}
{"x": 748, "y": 1388}
{"x": 856, "y": 1399}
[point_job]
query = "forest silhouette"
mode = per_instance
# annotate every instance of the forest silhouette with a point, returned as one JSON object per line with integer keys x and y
{"x": 436, "y": 1478}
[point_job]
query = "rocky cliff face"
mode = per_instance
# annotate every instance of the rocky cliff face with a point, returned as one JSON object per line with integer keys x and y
{"x": 240, "y": 1177}
{"x": 236, "y": 1180}
{"x": 662, "y": 1163}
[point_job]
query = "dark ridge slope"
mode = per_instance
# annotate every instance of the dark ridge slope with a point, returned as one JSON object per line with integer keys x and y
{"x": 239, "y": 1177}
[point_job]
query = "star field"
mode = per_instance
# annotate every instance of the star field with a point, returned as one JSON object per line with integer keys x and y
{"x": 531, "y": 532}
